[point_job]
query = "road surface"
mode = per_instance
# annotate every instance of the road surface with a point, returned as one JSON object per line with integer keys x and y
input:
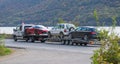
{"x": 48, "y": 53}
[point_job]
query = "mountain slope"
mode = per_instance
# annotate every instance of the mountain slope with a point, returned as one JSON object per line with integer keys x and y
{"x": 48, "y": 11}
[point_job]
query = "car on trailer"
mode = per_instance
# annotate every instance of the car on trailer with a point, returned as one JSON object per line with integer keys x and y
{"x": 61, "y": 30}
{"x": 82, "y": 35}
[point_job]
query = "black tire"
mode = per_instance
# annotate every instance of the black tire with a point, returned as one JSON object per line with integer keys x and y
{"x": 43, "y": 41}
{"x": 80, "y": 44}
{"x": 15, "y": 38}
{"x": 32, "y": 39}
{"x": 71, "y": 29}
{"x": 27, "y": 39}
{"x": 85, "y": 44}
{"x": 76, "y": 43}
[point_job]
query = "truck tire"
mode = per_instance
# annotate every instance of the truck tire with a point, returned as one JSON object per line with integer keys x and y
{"x": 49, "y": 35}
{"x": 15, "y": 38}
{"x": 27, "y": 39}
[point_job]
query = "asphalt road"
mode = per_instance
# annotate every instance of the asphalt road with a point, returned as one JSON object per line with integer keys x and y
{"x": 49, "y": 53}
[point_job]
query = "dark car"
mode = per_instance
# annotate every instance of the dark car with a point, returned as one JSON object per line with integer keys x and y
{"x": 83, "y": 35}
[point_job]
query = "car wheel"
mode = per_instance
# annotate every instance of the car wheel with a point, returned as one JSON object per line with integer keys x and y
{"x": 71, "y": 29}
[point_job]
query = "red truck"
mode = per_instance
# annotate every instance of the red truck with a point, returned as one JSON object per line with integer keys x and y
{"x": 31, "y": 33}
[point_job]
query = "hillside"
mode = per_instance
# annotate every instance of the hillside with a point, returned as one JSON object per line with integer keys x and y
{"x": 48, "y": 12}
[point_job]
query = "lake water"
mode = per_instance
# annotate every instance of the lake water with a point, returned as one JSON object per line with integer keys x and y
{"x": 9, "y": 30}
{"x": 6, "y": 30}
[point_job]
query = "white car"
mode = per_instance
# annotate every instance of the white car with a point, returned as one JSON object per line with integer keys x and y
{"x": 61, "y": 30}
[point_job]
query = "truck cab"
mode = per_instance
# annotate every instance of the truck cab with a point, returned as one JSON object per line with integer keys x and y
{"x": 19, "y": 31}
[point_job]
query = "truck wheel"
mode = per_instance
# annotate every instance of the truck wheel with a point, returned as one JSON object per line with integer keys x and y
{"x": 42, "y": 41}
{"x": 32, "y": 39}
{"x": 27, "y": 39}
{"x": 15, "y": 38}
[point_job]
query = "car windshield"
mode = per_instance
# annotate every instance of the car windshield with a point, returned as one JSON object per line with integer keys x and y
{"x": 59, "y": 26}
{"x": 40, "y": 27}
{"x": 86, "y": 29}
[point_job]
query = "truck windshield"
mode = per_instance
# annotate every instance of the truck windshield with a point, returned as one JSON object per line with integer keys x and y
{"x": 27, "y": 27}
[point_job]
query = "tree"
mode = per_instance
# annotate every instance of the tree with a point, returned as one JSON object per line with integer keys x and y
{"x": 109, "y": 52}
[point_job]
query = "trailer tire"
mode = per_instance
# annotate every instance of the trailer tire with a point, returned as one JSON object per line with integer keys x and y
{"x": 85, "y": 44}
{"x": 32, "y": 39}
{"x": 80, "y": 44}
{"x": 42, "y": 41}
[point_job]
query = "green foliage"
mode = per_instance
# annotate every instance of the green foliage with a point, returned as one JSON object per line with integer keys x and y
{"x": 96, "y": 15}
{"x": 60, "y": 20}
{"x": 109, "y": 52}
{"x": 3, "y": 49}
{"x": 42, "y": 11}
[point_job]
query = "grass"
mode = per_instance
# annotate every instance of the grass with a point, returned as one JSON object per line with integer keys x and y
{"x": 3, "y": 49}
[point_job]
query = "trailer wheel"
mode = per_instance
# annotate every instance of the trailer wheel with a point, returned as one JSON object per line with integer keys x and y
{"x": 32, "y": 39}
{"x": 42, "y": 41}
{"x": 85, "y": 44}
{"x": 80, "y": 44}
